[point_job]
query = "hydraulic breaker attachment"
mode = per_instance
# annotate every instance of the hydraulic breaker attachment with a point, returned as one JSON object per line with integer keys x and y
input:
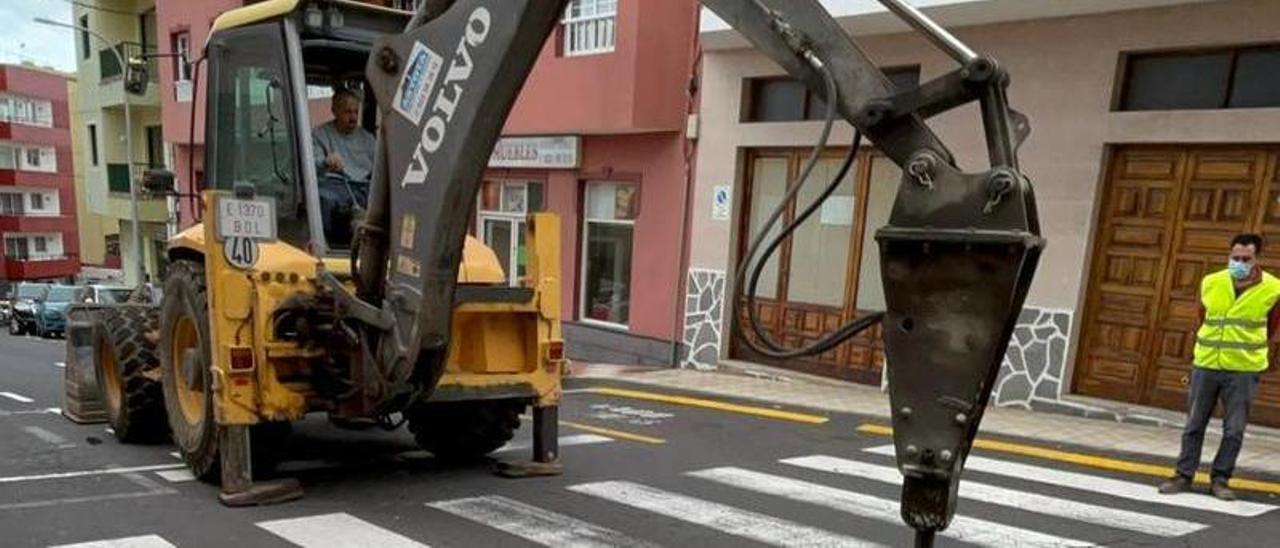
{"x": 958, "y": 254}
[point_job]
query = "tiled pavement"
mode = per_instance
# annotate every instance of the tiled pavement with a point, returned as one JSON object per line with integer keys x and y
{"x": 1260, "y": 457}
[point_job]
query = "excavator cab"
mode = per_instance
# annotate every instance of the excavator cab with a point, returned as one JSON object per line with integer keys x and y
{"x": 271, "y": 83}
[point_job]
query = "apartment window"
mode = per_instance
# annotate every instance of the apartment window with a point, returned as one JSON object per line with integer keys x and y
{"x": 16, "y": 247}
{"x": 85, "y": 46}
{"x": 6, "y": 108}
{"x": 608, "y": 229}
{"x": 93, "y": 144}
{"x": 41, "y": 244}
{"x": 8, "y": 156}
{"x": 37, "y": 201}
{"x": 500, "y": 220}
{"x": 22, "y": 111}
{"x": 42, "y": 159}
{"x": 43, "y": 113}
{"x": 589, "y": 27}
{"x": 11, "y": 204}
{"x": 181, "y": 43}
{"x": 785, "y": 99}
{"x": 112, "y": 244}
{"x": 1206, "y": 79}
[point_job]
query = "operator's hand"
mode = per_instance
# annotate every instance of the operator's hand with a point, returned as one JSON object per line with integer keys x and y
{"x": 333, "y": 162}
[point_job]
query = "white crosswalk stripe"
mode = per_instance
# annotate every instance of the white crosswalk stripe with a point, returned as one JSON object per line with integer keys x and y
{"x": 721, "y": 517}
{"x": 564, "y": 441}
{"x": 535, "y": 524}
{"x": 1159, "y": 526}
{"x": 1103, "y": 485}
{"x": 339, "y": 530}
{"x": 971, "y": 530}
{"x": 145, "y": 541}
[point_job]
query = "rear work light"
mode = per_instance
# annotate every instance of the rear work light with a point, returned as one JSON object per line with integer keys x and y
{"x": 241, "y": 359}
{"x": 555, "y": 351}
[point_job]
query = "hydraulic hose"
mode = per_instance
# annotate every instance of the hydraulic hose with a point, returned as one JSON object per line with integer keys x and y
{"x": 763, "y": 343}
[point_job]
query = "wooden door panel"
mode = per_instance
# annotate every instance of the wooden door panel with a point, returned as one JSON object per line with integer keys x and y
{"x": 1130, "y": 262}
{"x": 1266, "y": 408}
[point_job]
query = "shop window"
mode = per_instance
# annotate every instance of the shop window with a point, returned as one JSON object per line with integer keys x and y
{"x": 500, "y": 221}
{"x": 589, "y": 27}
{"x": 785, "y": 99}
{"x": 1217, "y": 79}
{"x": 609, "y": 218}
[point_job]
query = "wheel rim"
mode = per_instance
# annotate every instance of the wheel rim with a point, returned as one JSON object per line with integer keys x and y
{"x": 111, "y": 389}
{"x": 191, "y": 396}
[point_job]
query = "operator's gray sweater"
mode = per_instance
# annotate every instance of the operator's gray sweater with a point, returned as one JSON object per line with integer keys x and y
{"x": 355, "y": 148}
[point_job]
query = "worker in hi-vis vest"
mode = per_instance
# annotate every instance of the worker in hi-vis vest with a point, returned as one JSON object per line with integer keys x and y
{"x": 1238, "y": 316}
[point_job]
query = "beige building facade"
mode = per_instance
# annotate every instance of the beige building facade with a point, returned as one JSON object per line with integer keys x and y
{"x": 1140, "y": 177}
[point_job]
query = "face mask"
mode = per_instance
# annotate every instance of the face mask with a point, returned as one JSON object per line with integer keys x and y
{"x": 1239, "y": 269}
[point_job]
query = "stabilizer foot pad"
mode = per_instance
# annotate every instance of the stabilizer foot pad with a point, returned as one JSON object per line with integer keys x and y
{"x": 528, "y": 469}
{"x": 264, "y": 493}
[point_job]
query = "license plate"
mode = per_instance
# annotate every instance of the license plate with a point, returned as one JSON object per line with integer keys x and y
{"x": 254, "y": 219}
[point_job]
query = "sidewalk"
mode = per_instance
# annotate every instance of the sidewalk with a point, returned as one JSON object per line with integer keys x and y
{"x": 1259, "y": 459}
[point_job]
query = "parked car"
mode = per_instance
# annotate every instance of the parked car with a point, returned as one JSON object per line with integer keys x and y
{"x": 51, "y": 311}
{"x": 25, "y": 296}
{"x": 102, "y": 294}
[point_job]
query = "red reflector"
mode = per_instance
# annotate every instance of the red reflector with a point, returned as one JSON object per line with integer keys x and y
{"x": 241, "y": 359}
{"x": 555, "y": 350}
{"x": 240, "y": 381}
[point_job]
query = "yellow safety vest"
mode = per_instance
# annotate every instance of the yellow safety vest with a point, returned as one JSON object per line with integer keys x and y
{"x": 1233, "y": 336}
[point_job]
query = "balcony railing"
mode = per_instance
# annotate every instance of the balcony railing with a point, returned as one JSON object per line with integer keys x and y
{"x": 109, "y": 66}
{"x": 589, "y": 35}
{"x": 119, "y": 174}
{"x": 35, "y": 268}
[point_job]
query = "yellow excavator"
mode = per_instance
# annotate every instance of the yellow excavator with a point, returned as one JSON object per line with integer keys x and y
{"x": 302, "y": 291}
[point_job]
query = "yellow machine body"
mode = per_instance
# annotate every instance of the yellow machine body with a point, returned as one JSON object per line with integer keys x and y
{"x": 497, "y": 349}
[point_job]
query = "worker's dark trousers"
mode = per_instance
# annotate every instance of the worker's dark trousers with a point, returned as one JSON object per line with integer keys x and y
{"x": 1208, "y": 387}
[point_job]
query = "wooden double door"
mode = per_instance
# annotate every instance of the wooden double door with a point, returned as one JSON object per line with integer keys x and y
{"x": 1167, "y": 219}
{"x": 828, "y": 273}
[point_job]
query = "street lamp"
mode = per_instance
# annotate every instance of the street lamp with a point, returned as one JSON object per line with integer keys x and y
{"x": 136, "y": 235}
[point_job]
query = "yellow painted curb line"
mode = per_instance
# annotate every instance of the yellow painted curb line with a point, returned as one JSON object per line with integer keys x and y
{"x": 613, "y": 433}
{"x": 711, "y": 404}
{"x": 1092, "y": 461}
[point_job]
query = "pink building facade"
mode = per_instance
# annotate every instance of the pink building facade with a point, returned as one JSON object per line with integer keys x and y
{"x": 37, "y": 188}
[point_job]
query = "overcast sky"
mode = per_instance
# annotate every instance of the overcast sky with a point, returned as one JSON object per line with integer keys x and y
{"x": 25, "y": 40}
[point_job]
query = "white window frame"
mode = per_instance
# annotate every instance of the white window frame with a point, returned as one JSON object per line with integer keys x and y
{"x": 518, "y": 220}
{"x": 46, "y": 158}
{"x": 587, "y": 220}
{"x": 576, "y": 42}
{"x": 12, "y": 204}
{"x": 39, "y": 201}
{"x": 6, "y": 108}
{"x": 40, "y": 244}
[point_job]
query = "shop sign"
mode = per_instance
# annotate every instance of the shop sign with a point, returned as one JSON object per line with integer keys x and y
{"x": 556, "y": 152}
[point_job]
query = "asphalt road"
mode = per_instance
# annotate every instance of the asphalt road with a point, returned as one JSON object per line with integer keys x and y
{"x": 637, "y": 473}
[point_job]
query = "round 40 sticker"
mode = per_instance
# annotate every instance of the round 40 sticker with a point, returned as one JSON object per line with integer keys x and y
{"x": 242, "y": 253}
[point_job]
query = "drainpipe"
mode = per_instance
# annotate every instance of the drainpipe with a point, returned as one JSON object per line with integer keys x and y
{"x": 694, "y": 83}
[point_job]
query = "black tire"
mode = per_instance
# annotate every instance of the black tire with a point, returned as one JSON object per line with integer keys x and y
{"x": 466, "y": 430}
{"x": 184, "y": 312}
{"x": 127, "y": 368}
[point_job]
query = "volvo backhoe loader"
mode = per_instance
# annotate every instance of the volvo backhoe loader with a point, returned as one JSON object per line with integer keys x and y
{"x": 301, "y": 292}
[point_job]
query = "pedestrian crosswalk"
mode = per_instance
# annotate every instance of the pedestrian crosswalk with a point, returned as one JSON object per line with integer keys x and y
{"x": 741, "y": 503}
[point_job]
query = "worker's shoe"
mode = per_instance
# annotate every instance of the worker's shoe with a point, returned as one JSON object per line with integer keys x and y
{"x": 1221, "y": 491}
{"x": 1176, "y": 484}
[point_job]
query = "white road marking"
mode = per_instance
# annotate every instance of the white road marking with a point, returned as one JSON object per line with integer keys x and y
{"x": 1104, "y": 485}
{"x": 59, "y": 364}
{"x": 339, "y": 530}
{"x": 48, "y": 437}
{"x": 175, "y": 455}
{"x": 146, "y": 541}
{"x": 535, "y": 524}
{"x": 95, "y": 498}
{"x": 970, "y": 530}
{"x": 98, "y": 472}
{"x": 565, "y": 441}
{"x": 1031, "y": 502}
{"x": 16, "y": 397}
{"x": 176, "y": 476}
{"x": 723, "y": 518}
